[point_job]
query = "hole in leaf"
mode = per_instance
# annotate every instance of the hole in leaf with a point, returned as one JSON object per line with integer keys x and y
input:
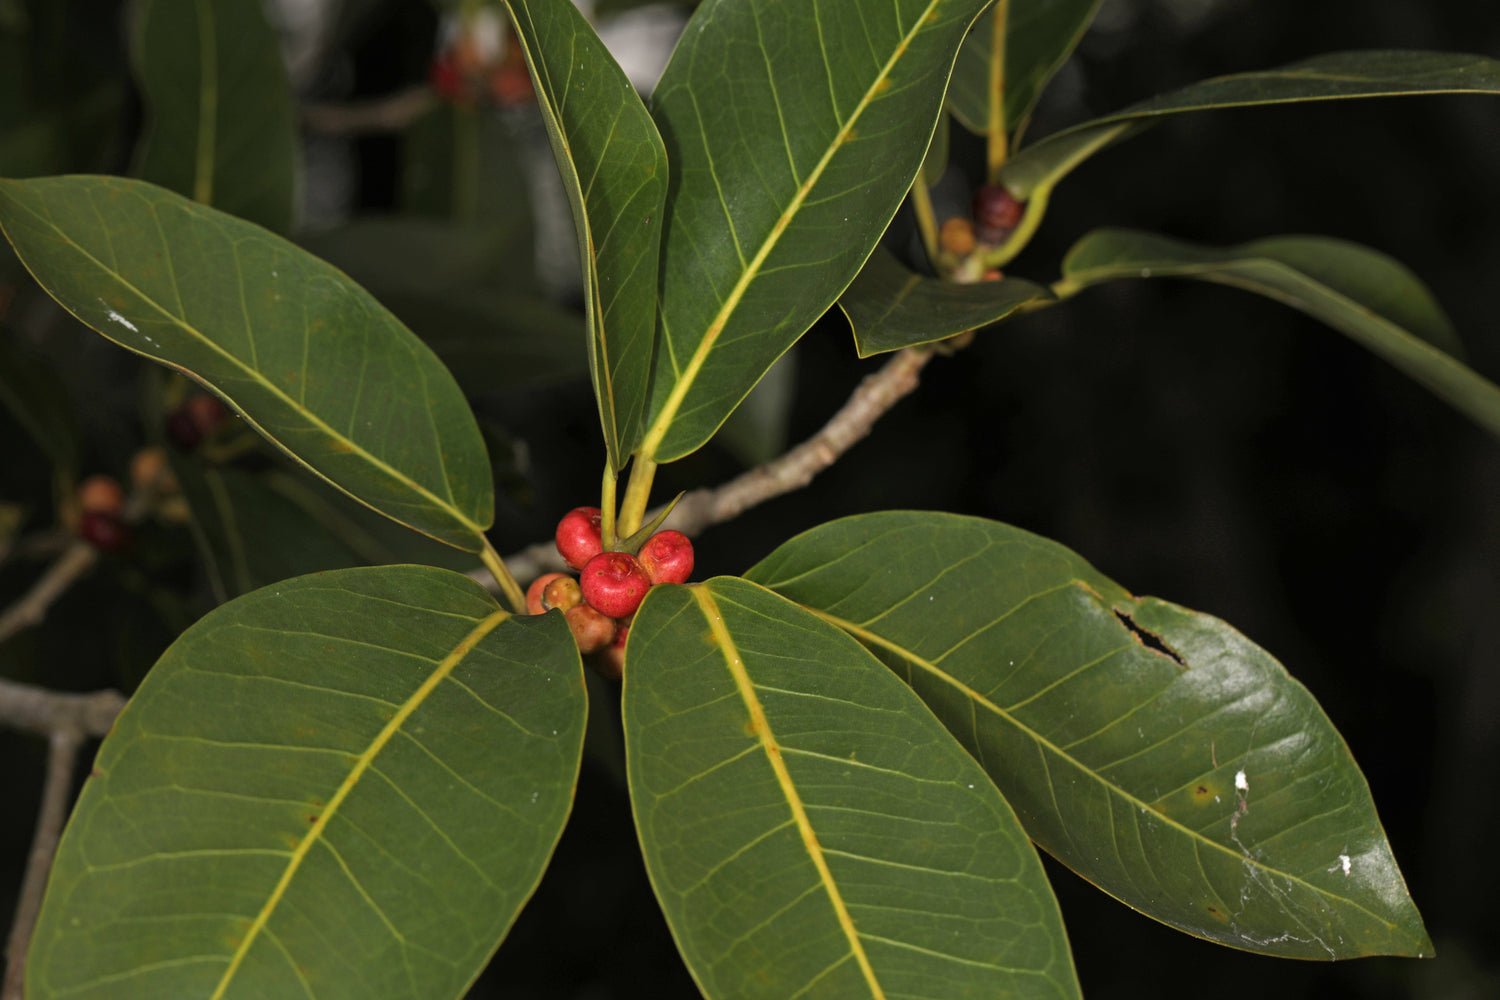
{"x": 1150, "y": 640}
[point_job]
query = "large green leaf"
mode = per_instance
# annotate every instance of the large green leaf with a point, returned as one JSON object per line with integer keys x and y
{"x": 891, "y": 307}
{"x": 309, "y": 358}
{"x": 794, "y": 130}
{"x": 1038, "y": 36}
{"x": 1154, "y": 750}
{"x": 1032, "y": 172}
{"x": 219, "y": 107}
{"x": 810, "y": 829}
{"x": 614, "y": 170}
{"x": 1368, "y": 296}
{"x": 343, "y": 786}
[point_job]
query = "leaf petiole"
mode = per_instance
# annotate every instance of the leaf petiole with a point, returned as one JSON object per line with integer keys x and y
{"x": 514, "y": 596}
{"x": 637, "y": 495}
{"x": 997, "y": 147}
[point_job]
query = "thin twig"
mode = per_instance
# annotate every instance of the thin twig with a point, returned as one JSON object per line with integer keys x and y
{"x": 66, "y": 720}
{"x": 701, "y": 509}
{"x": 391, "y": 113}
{"x": 76, "y": 560}
{"x": 42, "y": 711}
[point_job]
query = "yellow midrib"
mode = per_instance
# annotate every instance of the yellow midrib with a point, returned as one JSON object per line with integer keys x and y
{"x": 208, "y": 104}
{"x": 663, "y": 423}
{"x": 725, "y": 641}
{"x": 484, "y": 628}
{"x": 255, "y": 376}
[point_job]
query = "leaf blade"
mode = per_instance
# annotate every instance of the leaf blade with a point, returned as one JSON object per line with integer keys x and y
{"x": 600, "y": 130}
{"x": 759, "y": 760}
{"x": 344, "y": 389}
{"x": 342, "y": 843}
{"x": 230, "y": 146}
{"x": 775, "y": 207}
{"x": 889, "y": 306}
{"x": 1039, "y": 36}
{"x": 1365, "y": 295}
{"x": 1036, "y": 169}
{"x": 1155, "y": 751}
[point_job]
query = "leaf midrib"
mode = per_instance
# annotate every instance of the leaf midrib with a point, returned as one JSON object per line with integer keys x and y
{"x": 362, "y": 764}
{"x": 255, "y": 376}
{"x": 773, "y": 751}
{"x": 208, "y": 103}
{"x": 976, "y": 698}
{"x": 658, "y": 431}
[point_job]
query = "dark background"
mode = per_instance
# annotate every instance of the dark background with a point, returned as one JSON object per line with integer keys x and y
{"x": 1194, "y": 442}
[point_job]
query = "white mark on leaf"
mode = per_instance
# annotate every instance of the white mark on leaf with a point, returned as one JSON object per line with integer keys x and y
{"x": 115, "y": 317}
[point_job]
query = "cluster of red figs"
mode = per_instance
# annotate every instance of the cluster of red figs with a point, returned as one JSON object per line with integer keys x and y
{"x": 479, "y": 63}
{"x": 994, "y": 215}
{"x": 601, "y": 600}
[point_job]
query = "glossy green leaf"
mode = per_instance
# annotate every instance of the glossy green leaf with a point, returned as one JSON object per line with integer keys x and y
{"x": 219, "y": 107}
{"x": 1035, "y": 169}
{"x": 890, "y": 306}
{"x": 614, "y": 170}
{"x": 1152, "y": 749}
{"x": 1364, "y": 294}
{"x": 307, "y": 356}
{"x": 794, "y": 131}
{"x": 809, "y": 828}
{"x": 1038, "y": 37}
{"x": 343, "y": 786}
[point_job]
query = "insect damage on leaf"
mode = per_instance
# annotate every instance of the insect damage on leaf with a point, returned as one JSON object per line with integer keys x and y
{"x": 1150, "y": 640}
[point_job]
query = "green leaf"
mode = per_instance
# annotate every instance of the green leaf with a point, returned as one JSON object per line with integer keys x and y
{"x": 307, "y": 356}
{"x": 891, "y": 307}
{"x": 1152, "y": 749}
{"x": 614, "y": 170}
{"x": 343, "y": 786}
{"x": 776, "y": 205}
{"x": 219, "y": 107}
{"x": 810, "y": 830}
{"x": 1364, "y": 294}
{"x": 1035, "y": 170}
{"x": 1039, "y": 35}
